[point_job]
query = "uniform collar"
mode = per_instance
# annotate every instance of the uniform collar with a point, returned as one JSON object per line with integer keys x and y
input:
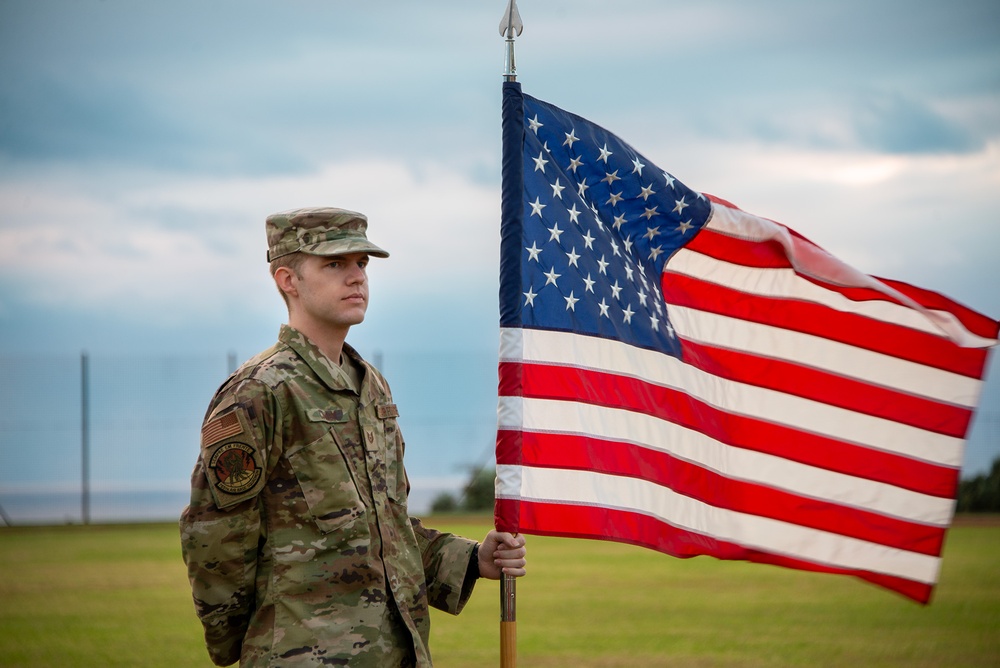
{"x": 329, "y": 373}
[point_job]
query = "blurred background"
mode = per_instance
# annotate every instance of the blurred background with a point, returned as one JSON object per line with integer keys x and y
{"x": 143, "y": 144}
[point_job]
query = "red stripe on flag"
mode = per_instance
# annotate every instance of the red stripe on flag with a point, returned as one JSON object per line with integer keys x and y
{"x": 581, "y": 453}
{"x": 975, "y": 322}
{"x": 592, "y": 522}
{"x": 819, "y": 320}
{"x": 829, "y": 389}
{"x": 771, "y": 255}
{"x": 762, "y": 254}
{"x": 604, "y": 389}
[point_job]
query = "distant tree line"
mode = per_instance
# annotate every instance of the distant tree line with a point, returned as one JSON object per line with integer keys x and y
{"x": 477, "y": 495}
{"x": 980, "y": 494}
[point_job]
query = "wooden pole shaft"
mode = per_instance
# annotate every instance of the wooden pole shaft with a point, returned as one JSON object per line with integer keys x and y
{"x": 508, "y": 644}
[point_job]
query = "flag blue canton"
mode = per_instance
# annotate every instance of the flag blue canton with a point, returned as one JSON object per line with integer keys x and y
{"x": 599, "y": 222}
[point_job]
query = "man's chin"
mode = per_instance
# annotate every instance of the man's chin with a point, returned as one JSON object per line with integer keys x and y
{"x": 356, "y": 318}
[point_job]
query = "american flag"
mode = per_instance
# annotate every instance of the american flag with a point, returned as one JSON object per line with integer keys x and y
{"x": 679, "y": 374}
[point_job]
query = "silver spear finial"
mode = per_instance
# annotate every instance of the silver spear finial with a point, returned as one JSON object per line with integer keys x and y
{"x": 510, "y": 26}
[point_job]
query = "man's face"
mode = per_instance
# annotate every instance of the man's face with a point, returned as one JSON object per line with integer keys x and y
{"x": 333, "y": 290}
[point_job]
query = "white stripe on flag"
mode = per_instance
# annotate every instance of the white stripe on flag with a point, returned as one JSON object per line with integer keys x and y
{"x": 754, "y": 532}
{"x": 783, "y": 283}
{"x": 549, "y": 347}
{"x": 819, "y": 353}
{"x": 617, "y": 425}
{"x": 812, "y": 260}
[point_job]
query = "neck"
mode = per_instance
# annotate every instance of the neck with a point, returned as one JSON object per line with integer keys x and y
{"x": 330, "y": 341}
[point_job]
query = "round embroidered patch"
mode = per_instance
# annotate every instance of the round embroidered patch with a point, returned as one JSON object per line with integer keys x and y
{"x": 235, "y": 468}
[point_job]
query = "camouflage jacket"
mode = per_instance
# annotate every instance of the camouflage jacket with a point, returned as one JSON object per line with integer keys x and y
{"x": 297, "y": 539}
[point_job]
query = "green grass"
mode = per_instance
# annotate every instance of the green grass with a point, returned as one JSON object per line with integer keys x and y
{"x": 96, "y": 596}
{"x": 118, "y": 596}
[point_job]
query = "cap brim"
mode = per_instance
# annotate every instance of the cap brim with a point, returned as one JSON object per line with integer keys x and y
{"x": 345, "y": 247}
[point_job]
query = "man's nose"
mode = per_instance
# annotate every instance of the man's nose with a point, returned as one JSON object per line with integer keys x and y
{"x": 356, "y": 275}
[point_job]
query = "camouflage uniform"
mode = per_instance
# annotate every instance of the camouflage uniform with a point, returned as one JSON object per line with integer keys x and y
{"x": 299, "y": 548}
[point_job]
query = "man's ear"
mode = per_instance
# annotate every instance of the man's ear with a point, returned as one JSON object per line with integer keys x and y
{"x": 287, "y": 281}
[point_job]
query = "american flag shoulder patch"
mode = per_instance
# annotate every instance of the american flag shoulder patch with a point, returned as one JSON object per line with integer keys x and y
{"x": 220, "y": 428}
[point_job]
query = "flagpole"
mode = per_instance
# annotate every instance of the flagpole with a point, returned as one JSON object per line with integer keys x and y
{"x": 510, "y": 26}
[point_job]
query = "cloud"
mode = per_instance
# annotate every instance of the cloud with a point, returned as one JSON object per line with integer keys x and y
{"x": 166, "y": 247}
{"x": 64, "y": 118}
{"x": 149, "y": 141}
{"x": 235, "y": 90}
{"x": 892, "y": 123}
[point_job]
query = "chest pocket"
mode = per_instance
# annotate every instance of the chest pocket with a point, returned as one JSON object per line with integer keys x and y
{"x": 395, "y": 473}
{"x": 327, "y": 478}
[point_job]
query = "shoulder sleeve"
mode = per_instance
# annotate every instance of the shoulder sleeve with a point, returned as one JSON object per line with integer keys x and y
{"x": 236, "y": 440}
{"x": 220, "y": 528}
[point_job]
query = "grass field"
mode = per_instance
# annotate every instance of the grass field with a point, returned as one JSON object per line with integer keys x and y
{"x": 118, "y": 596}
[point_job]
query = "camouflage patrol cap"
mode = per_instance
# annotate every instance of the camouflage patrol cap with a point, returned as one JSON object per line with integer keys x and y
{"x": 319, "y": 231}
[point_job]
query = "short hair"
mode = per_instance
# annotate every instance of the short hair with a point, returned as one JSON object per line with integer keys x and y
{"x": 293, "y": 261}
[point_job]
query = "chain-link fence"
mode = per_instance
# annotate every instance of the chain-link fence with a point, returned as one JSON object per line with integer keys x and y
{"x": 113, "y": 438}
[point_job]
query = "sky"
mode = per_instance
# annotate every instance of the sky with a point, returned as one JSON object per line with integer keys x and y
{"x": 143, "y": 144}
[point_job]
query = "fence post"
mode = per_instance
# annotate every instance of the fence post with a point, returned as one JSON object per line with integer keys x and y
{"x": 85, "y": 436}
